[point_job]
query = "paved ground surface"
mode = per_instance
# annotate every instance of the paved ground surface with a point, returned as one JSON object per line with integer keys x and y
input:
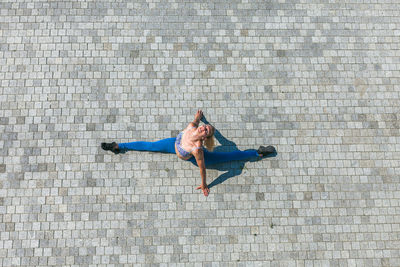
{"x": 317, "y": 79}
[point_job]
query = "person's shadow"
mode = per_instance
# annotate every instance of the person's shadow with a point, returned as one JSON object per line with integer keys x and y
{"x": 232, "y": 168}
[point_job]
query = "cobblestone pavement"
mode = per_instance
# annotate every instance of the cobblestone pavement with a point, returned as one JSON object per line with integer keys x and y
{"x": 317, "y": 79}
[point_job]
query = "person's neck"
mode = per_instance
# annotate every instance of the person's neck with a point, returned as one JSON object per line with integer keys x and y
{"x": 196, "y": 136}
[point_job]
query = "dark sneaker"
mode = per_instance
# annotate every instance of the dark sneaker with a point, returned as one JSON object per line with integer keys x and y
{"x": 110, "y": 146}
{"x": 266, "y": 150}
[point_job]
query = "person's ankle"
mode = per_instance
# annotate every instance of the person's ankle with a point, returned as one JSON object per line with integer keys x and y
{"x": 265, "y": 151}
{"x": 115, "y": 148}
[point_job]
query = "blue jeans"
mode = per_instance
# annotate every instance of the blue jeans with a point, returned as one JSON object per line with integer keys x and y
{"x": 168, "y": 146}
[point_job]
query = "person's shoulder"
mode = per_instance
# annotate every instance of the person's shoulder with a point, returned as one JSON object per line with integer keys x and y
{"x": 191, "y": 125}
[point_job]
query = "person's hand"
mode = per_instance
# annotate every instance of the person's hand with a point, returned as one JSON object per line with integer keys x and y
{"x": 198, "y": 115}
{"x": 205, "y": 189}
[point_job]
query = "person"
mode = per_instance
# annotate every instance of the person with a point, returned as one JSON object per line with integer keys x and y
{"x": 189, "y": 146}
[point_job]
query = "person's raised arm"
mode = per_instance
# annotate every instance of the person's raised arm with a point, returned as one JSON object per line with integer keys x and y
{"x": 197, "y": 117}
{"x": 199, "y": 155}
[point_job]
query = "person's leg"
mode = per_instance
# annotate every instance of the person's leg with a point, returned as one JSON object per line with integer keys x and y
{"x": 212, "y": 158}
{"x": 165, "y": 145}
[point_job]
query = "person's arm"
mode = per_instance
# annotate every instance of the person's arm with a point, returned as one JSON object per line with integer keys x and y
{"x": 197, "y": 118}
{"x": 199, "y": 155}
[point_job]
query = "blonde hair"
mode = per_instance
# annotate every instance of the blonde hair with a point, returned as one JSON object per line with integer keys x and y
{"x": 210, "y": 141}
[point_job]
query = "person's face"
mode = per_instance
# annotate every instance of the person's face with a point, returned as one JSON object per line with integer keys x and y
{"x": 206, "y": 131}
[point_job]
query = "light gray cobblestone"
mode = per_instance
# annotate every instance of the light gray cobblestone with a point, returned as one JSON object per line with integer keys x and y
{"x": 317, "y": 79}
